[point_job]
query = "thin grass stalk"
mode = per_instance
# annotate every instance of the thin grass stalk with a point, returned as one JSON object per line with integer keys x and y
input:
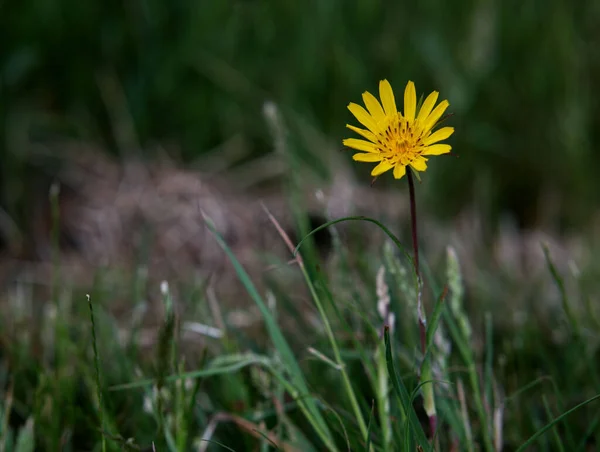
{"x": 329, "y": 331}
{"x": 383, "y": 401}
{"x": 55, "y": 237}
{"x": 464, "y": 414}
{"x": 477, "y": 396}
{"x": 181, "y": 437}
{"x": 308, "y": 407}
{"x": 55, "y": 272}
{"x": 555, "y": 421}
{"x": 97, "y": 374}
{"x": 460, "y": 328}
{"x": 5, "y": 412}
{"x": 467, "y": 356}
{"x": 412, "y": 423}
{"x": 164, "y": 358}
{"x": 381, "y": 386}
{"x": 336, "y": 353}
{"x": 556, "y": 435}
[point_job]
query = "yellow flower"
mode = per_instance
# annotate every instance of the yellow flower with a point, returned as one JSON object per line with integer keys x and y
{"x": 397, "y": 140}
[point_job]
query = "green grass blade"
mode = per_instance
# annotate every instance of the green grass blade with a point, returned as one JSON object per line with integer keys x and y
{"x": 489, "y": 356}
{"x": 309, "y": 407}
{"x": 404, "y": 396}
{"x": 347, "y": 384}
{"x": 438, "y": 309}
{"x": 220, "y": 370}
{"x": 560, "y": 284}
{"x": 537, "y": 382}
{"x": 560, "y": 447}
{"x": 592, "y": 428}
{"x": 211, "y": 371}
{"x": 426, "y": 372}
{"x": 212, "y": 441}
{"x": 97, "y": 373}
{"x": 26, "y": 439}
{"x": 551, "y": 424}
{"x": 370, "y": 423}
{"x": 358, "y": 218}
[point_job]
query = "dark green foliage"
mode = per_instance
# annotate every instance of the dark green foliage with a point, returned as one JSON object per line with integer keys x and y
{"x": 522, "y": 80}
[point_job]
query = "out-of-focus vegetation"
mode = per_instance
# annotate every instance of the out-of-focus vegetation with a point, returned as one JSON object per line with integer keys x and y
{"x": 522, "y": 79}
{"x": 517, "y": 341}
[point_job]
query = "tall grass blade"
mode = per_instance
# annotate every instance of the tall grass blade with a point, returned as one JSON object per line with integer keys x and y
{"x": 97, "y": 374}
{"x": 369, "y": 424}
{"x": 551, "y": 424}
{"x": 357, "y": 218}
{"x": 403, "y": 396}
{"x": 307, "y": 404}
{"x": 560, "y": 284}
{"x": 557, "y": 439}
{"x": 26, "y": 439}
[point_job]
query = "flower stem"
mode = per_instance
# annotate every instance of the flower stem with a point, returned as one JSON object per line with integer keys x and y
{"x": 428, "y": 394}
{"x": 415, "y": 243}
{"x": 413, "y": 221}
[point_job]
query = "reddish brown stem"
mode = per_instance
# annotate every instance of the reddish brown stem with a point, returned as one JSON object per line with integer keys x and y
{"x": 415, "y": 243}
{"x": 413, "y": 220}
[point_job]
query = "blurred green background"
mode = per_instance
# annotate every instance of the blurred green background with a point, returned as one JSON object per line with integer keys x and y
{"x": 523, "y": 80}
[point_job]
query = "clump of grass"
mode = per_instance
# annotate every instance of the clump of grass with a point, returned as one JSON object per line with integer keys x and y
{"x": 289, "y": 395}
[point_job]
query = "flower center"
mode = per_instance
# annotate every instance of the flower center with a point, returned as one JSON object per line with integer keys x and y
{"x": 398, "y": 142}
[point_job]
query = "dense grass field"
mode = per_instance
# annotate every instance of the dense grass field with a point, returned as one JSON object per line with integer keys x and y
{"x": 323, "y": 369}
{"x": 330, "y": 351}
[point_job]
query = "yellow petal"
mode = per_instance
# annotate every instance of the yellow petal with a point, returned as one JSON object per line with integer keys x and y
{"x": 437, "y": 149}
{"x": 367, "y": 157}
{"x": 410, "y": 101}
{"x": 387, "y": 98}
{"x": 399, "y": 171}
{"x": 420, "y": 164}
{"x": 435, "y": 116}
{"x": 439, "y": 135}
{"x": 360, "y": 145}
{"x": 365, "y": 133}
{"x": 427, "y": 106}
{"x": 381, "y": 168}
{"x": 373, "y": 106}
{"x": 363, "y": 116}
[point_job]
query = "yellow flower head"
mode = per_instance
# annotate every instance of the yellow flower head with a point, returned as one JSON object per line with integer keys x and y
{"x": 397, "y": 140}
